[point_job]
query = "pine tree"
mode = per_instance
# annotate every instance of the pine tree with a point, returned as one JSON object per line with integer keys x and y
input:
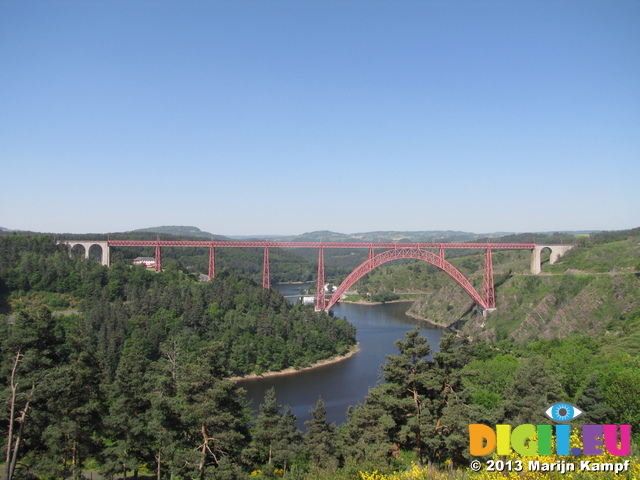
{"x": 164, "y": 424}
{"x": 534, "y": 389}
{"x": 74, "y": 407}
{"x": 276, "y": 439}
{"x": 127, "y": 439}
{"x": 31, "y": 356}
{"x": 321, "y": 439}
{"x": 592, "y": 401}
{"x": 215, "y": 416}
{"x": 426, "y": 398}
{"x": 267, "y": 425}
{"x": 412, "y": 390}
{"x": 367, "y": 435}
{"x": 288, "y": 445}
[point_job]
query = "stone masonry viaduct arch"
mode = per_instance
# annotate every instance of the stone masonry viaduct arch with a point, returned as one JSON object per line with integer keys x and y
{"x": 556, "y": 252}
{"x": 105, "y": 258}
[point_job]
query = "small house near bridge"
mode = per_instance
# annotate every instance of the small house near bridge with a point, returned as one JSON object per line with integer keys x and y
{"x": 148, "y": 262}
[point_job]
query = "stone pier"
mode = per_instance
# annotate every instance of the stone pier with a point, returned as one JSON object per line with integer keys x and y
{"x": 105, "y": 259}
{"x": 556, "y": 252}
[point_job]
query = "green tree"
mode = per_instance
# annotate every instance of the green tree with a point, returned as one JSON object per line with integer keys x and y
{"x": 215, "y": 415}
{"x": 592, "y": 400}
{"x": 412, "y": 391}
{"x": 426, "y": 397}
{"x": 533, "y": 390}
{"x": 30, "y": 356}
{"x": 127, "y": 440}
{"x": 572, "y": 359}
{"x": 164, "y": 423}
{"x": 623, "y": 397}
{"x": 276, "y": 439}
{"x": 451, "y": 402}
{"x": 368, "y": 432}
{"x": 321, "y": 440}
{"x": 288, "y": 446}
{"x": 74, "y": 407}
{"x": 487, "y": 380}
{"x": 267, "y": 427}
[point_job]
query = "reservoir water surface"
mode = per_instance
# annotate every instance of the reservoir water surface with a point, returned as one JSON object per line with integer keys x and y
{"x": 347, "y": 382}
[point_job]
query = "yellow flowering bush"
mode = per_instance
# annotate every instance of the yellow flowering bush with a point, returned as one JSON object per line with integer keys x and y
{"x": 414, "y": 473}
{"x": 517, "y": 467}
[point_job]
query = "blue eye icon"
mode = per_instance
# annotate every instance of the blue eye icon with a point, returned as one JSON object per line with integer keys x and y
{"x": 563, "y": 412}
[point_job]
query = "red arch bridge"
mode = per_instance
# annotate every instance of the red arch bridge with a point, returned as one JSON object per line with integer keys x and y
{"x": 379, "y": 253}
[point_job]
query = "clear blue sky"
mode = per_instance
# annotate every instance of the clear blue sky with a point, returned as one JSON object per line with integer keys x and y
{"x": 282, "y": 117}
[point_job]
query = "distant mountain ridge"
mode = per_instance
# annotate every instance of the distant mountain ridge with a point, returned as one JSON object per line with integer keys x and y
{"x": 386, "y": 236}
{"x": 179, "y": 230}
{"x": 375, "y": 236}
{"x": 329, "y": 236}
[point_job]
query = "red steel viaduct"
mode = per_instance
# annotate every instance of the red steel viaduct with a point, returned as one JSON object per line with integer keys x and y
{"x": 379, "y": 253}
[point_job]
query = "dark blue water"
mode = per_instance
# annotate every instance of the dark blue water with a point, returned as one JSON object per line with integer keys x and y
{"x": 347, "y": 382}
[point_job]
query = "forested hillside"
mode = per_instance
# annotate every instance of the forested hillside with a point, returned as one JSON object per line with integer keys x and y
{"x": 258, "y": 328}
{"x": 133, "y": 377}
{"x": 131, "y": 332}
{"x": 593, "y": 289}
{"x": 570, "y": 334}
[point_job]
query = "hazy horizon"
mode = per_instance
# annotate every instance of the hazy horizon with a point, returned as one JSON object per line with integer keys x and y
{"x": 269, "y": 235}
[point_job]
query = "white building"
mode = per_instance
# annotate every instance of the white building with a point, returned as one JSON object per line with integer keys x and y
{"x": 148, "y": 262}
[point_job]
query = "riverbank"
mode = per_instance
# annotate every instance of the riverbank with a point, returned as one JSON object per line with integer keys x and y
{"x": 365, "y": 302}
{"x": 289, "y": 371}
{"x": 431, "y": 322}
{"x": 408, "y": 312}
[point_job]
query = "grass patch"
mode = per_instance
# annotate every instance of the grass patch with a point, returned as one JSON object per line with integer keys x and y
{"x": 353, "y": 298}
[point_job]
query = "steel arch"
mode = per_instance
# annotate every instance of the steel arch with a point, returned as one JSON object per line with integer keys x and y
{"x": 406, "y": 253}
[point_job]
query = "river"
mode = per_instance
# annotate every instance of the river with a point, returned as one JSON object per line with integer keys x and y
{"x": 347, "y": 382}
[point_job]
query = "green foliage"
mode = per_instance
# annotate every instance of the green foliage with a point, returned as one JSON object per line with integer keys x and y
{"x": 424, "y": 404}
{"x": 321, "y": 440}
{"x": 139, "y": 375}
{"x": 259, "y": 330}
{"x": 619, "y": 381}
{"x": 533, "y": 390}
{"x": 277, "y": 442}
{"x": 368, "y": 433}
{"x": 384, "y": 296}
{"x": 488, "y": 379}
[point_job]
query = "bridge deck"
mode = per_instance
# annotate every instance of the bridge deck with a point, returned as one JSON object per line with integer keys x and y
{"x": 271, "y": 244}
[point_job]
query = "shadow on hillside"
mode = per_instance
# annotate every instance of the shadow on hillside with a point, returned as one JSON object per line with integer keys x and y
{"x": 4, "y": 298}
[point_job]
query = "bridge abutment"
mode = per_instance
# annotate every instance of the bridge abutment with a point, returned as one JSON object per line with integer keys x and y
{"x": 556, "y": 252}
{"x": 105, "y": 257}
